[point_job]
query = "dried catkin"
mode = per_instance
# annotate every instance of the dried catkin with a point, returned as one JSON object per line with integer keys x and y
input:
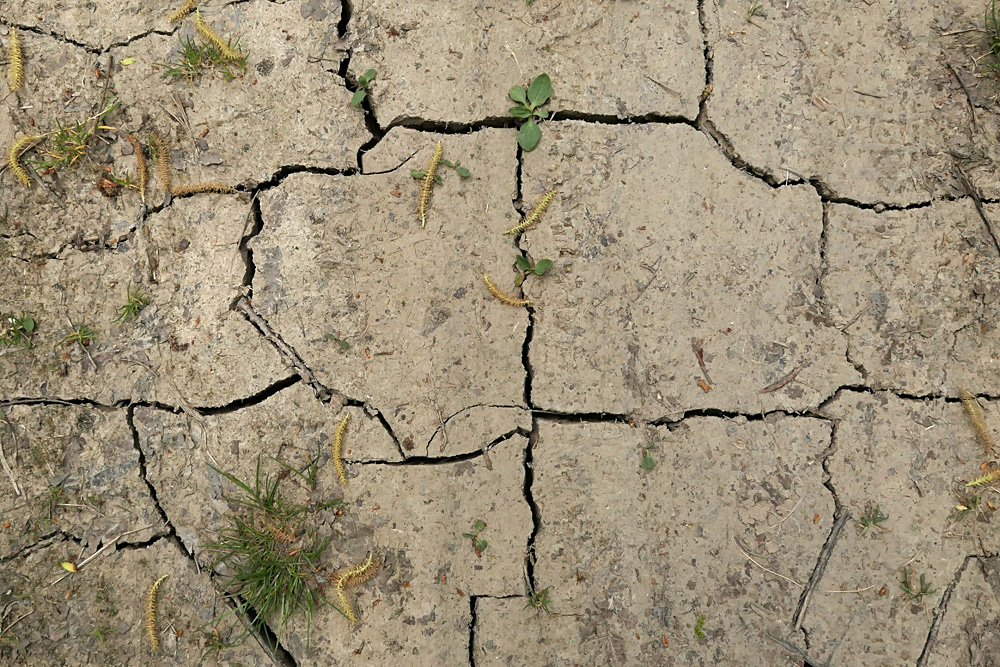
{"x": 151, "y": 631}
{"x": 535, "y": 215}
{"x": 428, "y": 183}
{"x": 14, "y": 158}
{"x": 502, "y": 296}
{"x": 15, "y": 61}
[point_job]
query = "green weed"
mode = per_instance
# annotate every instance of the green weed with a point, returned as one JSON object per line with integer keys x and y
{"x": 81, "y": 334}
{"x": 196, "y": 59}
{"x": 755, "y": 9}
{"x": 478, "y": 543}
{"x": 992, "y": 25}
{"x": 910, "y": 590}
{"x": 648, "y": 462}
{"x": 525, "y": 267}
{"x": 539, "y": 600}
{"x": 101, "y": 632}
{"x": 70, "y": 143}
{"x": 872, "y": 518}
{"x": 529, "y": 103}
{"x": 271, "y": 554}
{"x": 135, "y": 301}
{"x": 462, "y": 172}
{"x": 364, "y": 87}
{"x": 699, "y": 624}
{"x": 16, "y": 330}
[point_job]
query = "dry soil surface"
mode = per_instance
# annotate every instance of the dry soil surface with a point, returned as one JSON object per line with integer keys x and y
{"x": 726, "y": 430}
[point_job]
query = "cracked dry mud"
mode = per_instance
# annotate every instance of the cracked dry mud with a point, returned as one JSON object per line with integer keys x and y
{"x": 770, "y": 285}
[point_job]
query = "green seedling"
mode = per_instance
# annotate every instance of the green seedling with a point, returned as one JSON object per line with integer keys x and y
{"x": 648, "y": 462}
{"x": 699, "y": 624}
{"x": 462, "y": 172}
{"x": 364, "y": 87}
{"x": 57, "y": 496}
{"x": 101, "y": 632}
{"x": 529, "y": 103}
{"x": 136, "y": 300}
{"x": 81, "y": 334}
{"x": 755, "y": 9}
{"x": 344, "y": 345}
{"x": 270, "y": 554}
{"x": 525, "y": 268}
{"x": 911, "y": 591}
{"x": 992, "y": 25}
{"x": 478, "y": 543}
{"x": 16, "y": 330}
{"x": 872, "y": 518}
{"x": 539, "y": 600}
{"x": 196, "y": 59}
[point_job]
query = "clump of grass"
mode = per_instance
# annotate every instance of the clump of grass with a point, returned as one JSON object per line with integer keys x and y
{"x": 16, "y": 330}
{"x": 69, "y": 143}
{"x": 539, "y": 600}
{"x": 135, "y": 301}
{"x": 910, "y": 590}
{"x": 270, "y": 553}
{"x": 81, "y": 334}
{"x": 196, "y": 59}
{"x": 872, "y": 518}
{"x": 992, "y": 25}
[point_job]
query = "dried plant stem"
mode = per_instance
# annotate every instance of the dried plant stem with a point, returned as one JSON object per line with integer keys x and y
{"x": 428, "y": 183}
{"x": 502, "y": 296}
{"x": 975, "y": 415}
{"x": 140, "y": 165}
{"x": 164, "y": 168}
{"x": 15, "y": 61}
{"x": 535, "y": 215}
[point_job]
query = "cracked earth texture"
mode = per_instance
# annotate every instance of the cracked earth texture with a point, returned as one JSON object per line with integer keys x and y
{"x": 775, "y": 271}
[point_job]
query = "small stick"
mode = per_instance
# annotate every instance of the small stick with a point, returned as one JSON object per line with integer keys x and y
{"x": 970, "y": 189}
{"x": 746, "y": 552}
{"x": 817, "y": 574}
{"x": 696, "y": 345}
{"x": 782, "y": 382}
{"x": 99, "y": 552}
{"x": 968, "y": 95}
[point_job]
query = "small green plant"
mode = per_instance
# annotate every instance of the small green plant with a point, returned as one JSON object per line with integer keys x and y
{"x": 70, "y": 143}
{"x": 81, "y": 334}
{"x": 539, "y": 600}
{"x": 699, "y": 624}
{"x": 135, "y": 301}
{"x": 968, "y": 503}
{"x": 755, "y": 9}
{"x": 196, "y": 59}
{"x": 271, "y": 554}
{"x": 478, "y": 543}
{"x": 309, "y": 474}
{"x": 462, "y": 172}
{"x": 16, "y": 330}
{"x": 910, "y": 590}
{"x": 57, "y": 496}
{"x": 648, "y": 462}
{"x": 529, "y": 103}
{"x": 341, "y": 342}
{"x": 872, "y": 518}
{"x": 525, "y": 267}
{"x": 992, "y": 25}
{"x": 364, "y": 85}
{"x": 101, "y": 632}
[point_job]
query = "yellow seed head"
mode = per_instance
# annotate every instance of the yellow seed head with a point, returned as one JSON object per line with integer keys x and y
{"x": 502, "y": 296}
{"x": 535, "y": 215}
{"x": 428, "y": 183}
{"x": 227, "y": 51}
{"x": 183, "y": 10}
{"x": 164, "y": 168}
{"x": 975, "y": 416}
{"x": 140, "y": 165}
{"x": 338, "y": 445}
{"x": 992, "y": 475}
{"x": 354, "y": 577}
{"x": 211, "y": 186}
{"x": 14, "y": 158}
{"x": 15, "y": 61}
{"x": 151, "y": 631}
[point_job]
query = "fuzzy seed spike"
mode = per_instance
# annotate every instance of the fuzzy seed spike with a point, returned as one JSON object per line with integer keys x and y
{"x": 354, "y": 577}
{"x": 428, "y": 183}
{"x": 14, "y": 158}
{"x": 183, "y": 10}
{"x": 164, "y": 168}
{"x": 15, "y": 61}
{"x": 140, "y": 165}
{"x": 151, "y": 631}
{"x": 502, "y": 296}
{"x": 975, "y": 414}
{"x": 991, "y": 476}
{"x": 206, "y": 31}
{"x": 535, "y": 215}
{"x": 338, "y": 445}
{"x": 211, "y": 186}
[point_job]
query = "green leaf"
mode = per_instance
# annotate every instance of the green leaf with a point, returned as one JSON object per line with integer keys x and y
{"x": 648, "y": 462}
{"x": 344, "y": 345}
{"x": 28, "y": 324}
{"x": 467, "y": 535}
{"x": 529, "y": 135}
{"x": 518, "y": 280}
{"x": 520, "y": 112}
{"x": 369, "y": 76}
{"x": 523, "y": 263}
{"x": 540, "y": 90}
{"x": 447, "y": 163}
{"x": 463, "y": 172}
{"x": 542, "y": 266}
{"x": 417, "y": 173}
{"x": 540, "y": 113}
{"x": 437, "y": 179}
{"x": 478, "y": 525}
{"x": 128, "y": 61}
{"x": 480, "y": 544}
{"x": 358, "y": 98}
{"x": 518, "y": 94}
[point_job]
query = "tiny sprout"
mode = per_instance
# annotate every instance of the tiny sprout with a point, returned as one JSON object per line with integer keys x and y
{"x": 364, "y": 82}
{"x": 478, "y": 543}
{"x": 529, "y": 103}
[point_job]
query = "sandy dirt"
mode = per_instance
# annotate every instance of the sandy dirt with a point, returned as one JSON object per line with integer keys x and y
{"x": 727, "y": 428}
